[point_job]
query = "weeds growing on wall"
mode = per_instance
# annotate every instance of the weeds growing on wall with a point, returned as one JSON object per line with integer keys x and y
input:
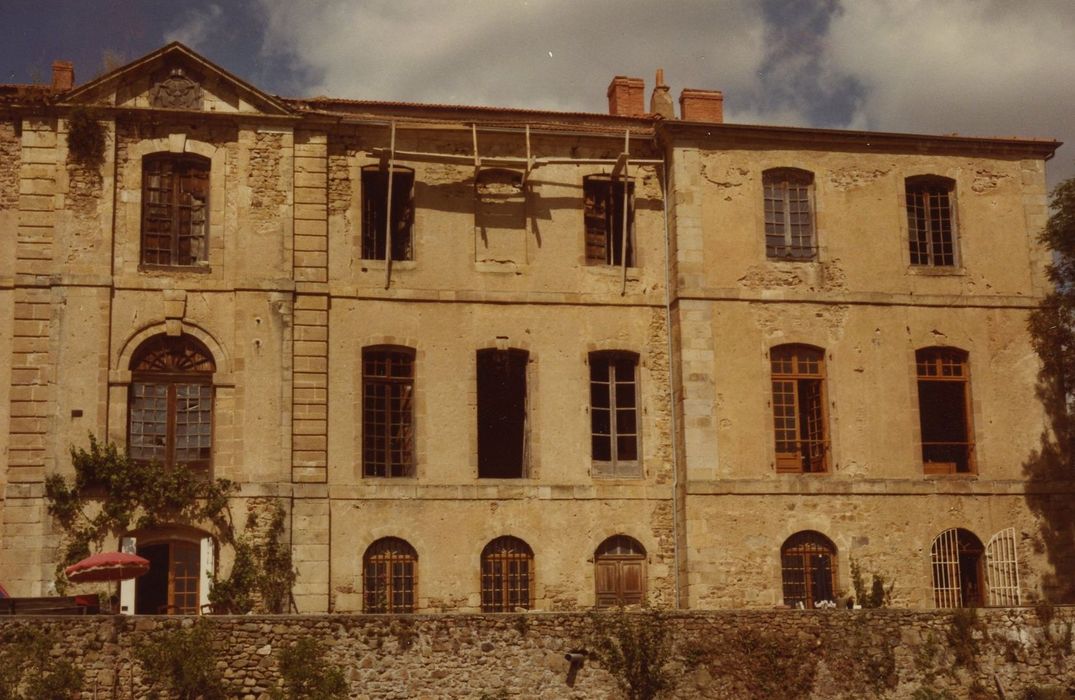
{"x": 963, "y": 634}
{"x": 85, "y": 136}
{"x": 878, "y": 594}
{"x": 262, "y": 570}
{"x": 307, "y": 674}
{"x": 182, "y": 663}
{"x": 28, "y": 672}
{"x": 635, "y": 648}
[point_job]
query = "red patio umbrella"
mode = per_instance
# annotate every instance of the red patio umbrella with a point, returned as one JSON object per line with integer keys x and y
{"x": 107, "y": 566}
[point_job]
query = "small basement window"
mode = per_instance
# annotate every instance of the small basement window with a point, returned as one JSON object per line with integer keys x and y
{"x": 604, "y": 220}
{"x": 502, "y": 413}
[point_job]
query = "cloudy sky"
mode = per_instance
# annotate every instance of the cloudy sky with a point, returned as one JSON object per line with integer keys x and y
{"x": 976, "y": 67}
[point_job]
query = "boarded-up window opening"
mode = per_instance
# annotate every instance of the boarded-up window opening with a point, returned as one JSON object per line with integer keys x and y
{"x": 930, "y": 221}
{"x": 1002, "y": 569}
{"x": 808, "y": 568}
{"x": 614, "y": 414}
{"x": 603, "y": 199}
{"x": 620, "y": 572}
{"x": 387, "y": 411}
{"x": 789, "y": 214}
{"x": 944, "y": 411}
{"x": 175, "y": 210}
{"x": 502, "y": 413}
{"x": 800, "y": 416}
{"x": 507, "y": 575}
{"x": 170, "y": 409}
{"x": 500, "y": 216}
{"x": 374, "y": 202}
{"x": 956, "y": 556}
{"x": 389, "y": 576}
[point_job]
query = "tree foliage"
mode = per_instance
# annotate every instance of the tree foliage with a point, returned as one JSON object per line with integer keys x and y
{"x": 636, "y": 649}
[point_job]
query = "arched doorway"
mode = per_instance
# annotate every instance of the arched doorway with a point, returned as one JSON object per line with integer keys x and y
{"x": 181, "y": 563}
{"x": 958, "y": 582}
{"x": 620, "y": 572}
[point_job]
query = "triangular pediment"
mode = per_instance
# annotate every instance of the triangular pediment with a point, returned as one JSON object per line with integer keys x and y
{"x": 176, "y": 78}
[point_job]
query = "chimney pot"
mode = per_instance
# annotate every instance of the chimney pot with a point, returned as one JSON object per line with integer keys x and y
{"x": 626, "y": 96}
{"x": 660, "y": 101}
{"x": 701, "y": 105}
{"x": 63, "y": 75}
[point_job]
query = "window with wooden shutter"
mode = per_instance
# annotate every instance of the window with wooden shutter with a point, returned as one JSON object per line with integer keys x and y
{"x": 614, "y": 424}
{"x": 808, "y": 566}
{"x": 507, "y": 575}
{"x": 944, "y": 411}
{"x": 170, "y": 409}
{"x": 375, "y": 209}
{"x": 800, "y": 415}
{"x": 175, "y": 210}
{"x": 789, "y": 214}
{"x": 620, "y": 572}
{"x": 604, "y": 212}
{"x": 387, "y": 411}
{"x": 931, "y": 220}
{"x": 389, "y": 576}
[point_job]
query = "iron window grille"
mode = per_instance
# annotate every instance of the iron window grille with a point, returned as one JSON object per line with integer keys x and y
{"x": 956, "y": 557}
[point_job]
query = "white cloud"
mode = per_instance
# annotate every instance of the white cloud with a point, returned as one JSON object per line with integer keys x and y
{"x": 198, "y": 27}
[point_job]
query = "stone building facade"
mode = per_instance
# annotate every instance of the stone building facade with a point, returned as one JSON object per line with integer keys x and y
{"x": 502, "y": 378}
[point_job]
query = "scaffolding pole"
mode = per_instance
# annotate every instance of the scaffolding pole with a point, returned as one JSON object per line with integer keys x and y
{"x": 626, "y": 196}
{"x": 388, "y": 208}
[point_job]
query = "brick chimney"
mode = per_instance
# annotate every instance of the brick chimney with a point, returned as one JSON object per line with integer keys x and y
{"x": 626, "y": 96}
{"x": 701, "y": 105}
{"x": 63, "y": 75}
{"x": 660, "y": 102}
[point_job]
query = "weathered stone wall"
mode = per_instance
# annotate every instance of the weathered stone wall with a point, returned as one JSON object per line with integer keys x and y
{"x": 735, "y": 655}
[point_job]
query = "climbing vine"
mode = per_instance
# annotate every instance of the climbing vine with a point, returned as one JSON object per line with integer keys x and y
{"x": 85, "y": 136}
{"x": 262, "y": 571}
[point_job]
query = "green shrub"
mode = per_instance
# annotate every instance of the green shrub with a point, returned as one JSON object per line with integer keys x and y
{"x": 182, "y": 662}
{"x": 307, "y": 675}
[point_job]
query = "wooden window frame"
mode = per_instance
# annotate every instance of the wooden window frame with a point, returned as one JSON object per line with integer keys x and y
{"x": 507, "y": 575}
{"x": 616, "y": 554}
{"x": 801, "y": 394}
{"x": 605, "y": 387}
{"x": 788, "y": 198}
{"x": 946, "y": 365}
{"x": 174, "y": 364}
{"x": 932, "y": 231}
{"x": 798, "y": 557}
{"x": 389, "y": 395}
{"x": 374, "y": 201}
{"x": 603, "y": 196}
{"x": 171, "y": 211}
{"x": 389, "y": 577}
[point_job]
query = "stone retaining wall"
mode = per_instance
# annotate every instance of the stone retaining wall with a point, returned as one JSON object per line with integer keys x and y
{"x": 725, "y": 654}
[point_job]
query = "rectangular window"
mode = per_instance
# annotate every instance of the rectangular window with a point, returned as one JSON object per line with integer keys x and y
{"x": 175, "y": 210}
{"x": 374, "y": 205}
{"x": 387, "y": 412}
{"x": 502, "y": 413}
{"x": 799, "y": 415}
{"x": 944, "y": 411}
{"x": 604, "y": 220}
{"x": 930, "y": 223}
{"x": 789, "y": 215}
{"x": 614, "y": 414}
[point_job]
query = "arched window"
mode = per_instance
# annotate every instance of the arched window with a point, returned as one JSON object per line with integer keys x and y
{"x": 789, "y": 214}
{"x": 931, "y": 220}
{"x": 808, "y": 567}
{"x": 620, "y": 572}
{"x": 800, "y": 416}
{"x": 170, "y": 418}
{"x": 944, "y": 410}
{"x": 387, "y": 411}
{"x": 175, "y": 210}
{"x": 614, "y": 428}
{"x": 956, "y": 556}
{"x": 507, "y": 575}
{"x": 375, "y": 211}
{"x": 389, "y": 576}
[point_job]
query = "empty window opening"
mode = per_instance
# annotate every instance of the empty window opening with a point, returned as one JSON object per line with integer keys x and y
{"x": 944, "y": 411}
{"x": 170, "y": 415}
{"x": 956, "y": 556}
{"x": 808, "y": 566}
{"x": 502, "y": 413}
{"x": 614, "y": 414}
{"x": 930, "y": 221}
{"x": 500, "y": 217}
{"x": 374, "y": 206}
{"x": 387, "y": 411}
{"x": 800, "y": 416}
{"x": 620, "y": 572}
{"x": 604, "y": 220}
{"x": 789, "y": 214}
{"x": 389, "y": 576}
{"x": 175, "y": 210}
{"x": 507, "y": 575}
